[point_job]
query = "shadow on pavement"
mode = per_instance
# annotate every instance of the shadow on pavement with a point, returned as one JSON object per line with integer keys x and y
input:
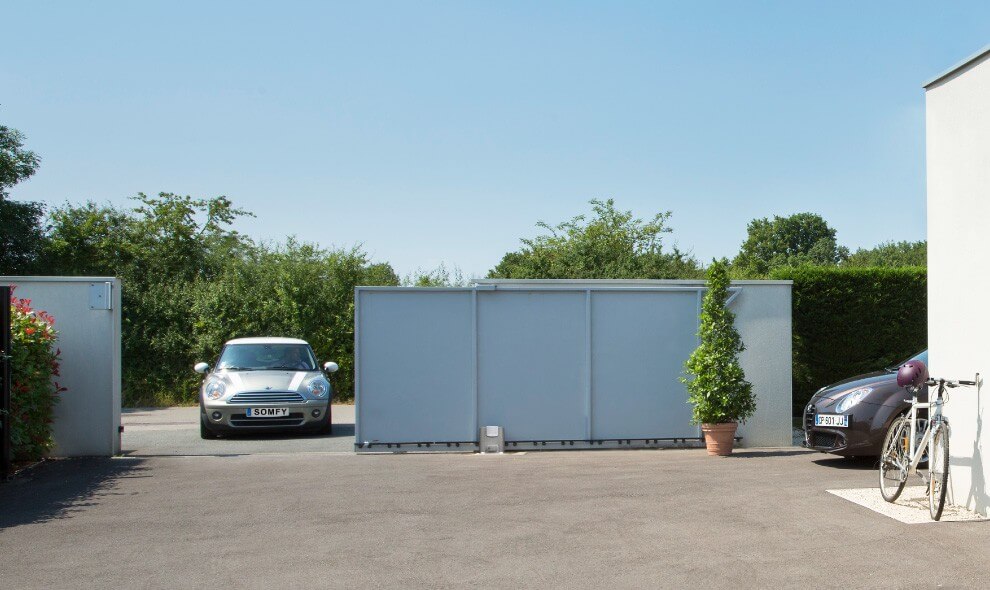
{"x": 780, "y": 453}
{"x": 339, "y": 431}
{"x": 58, "y": 489}
{"x": 857, "y": 463}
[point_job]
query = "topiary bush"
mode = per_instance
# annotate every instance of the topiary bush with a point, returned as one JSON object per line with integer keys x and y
{"x": 717, "y": 387}
{"x": 849, "y": 321}
{"x": 34, "y": 391}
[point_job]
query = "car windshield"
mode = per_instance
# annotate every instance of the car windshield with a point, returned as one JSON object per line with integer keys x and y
{"x": 921, "y": 356}
{"x": 267, "y": 357}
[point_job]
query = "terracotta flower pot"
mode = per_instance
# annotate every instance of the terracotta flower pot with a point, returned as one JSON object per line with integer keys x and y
{"x": 719, "y": 438}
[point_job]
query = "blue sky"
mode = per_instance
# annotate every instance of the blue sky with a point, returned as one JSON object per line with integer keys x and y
{"x": 442, "y": 131}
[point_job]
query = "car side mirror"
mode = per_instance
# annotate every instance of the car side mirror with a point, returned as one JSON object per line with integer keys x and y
{"x": 201, "y": 367}
{"x": 330, "y": 367}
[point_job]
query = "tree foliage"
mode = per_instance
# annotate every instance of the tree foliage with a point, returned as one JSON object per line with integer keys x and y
{"x": 717, "y": 385}
{"x": 190, "y": 282}
{"x": 890, "y": 255}
{"x": 441, "y": 276}
{"x": 612, "y": 244}
{"x": 16, "y": 163}
{"x": 22, "y": 236}
{"x": 801, "y": 239}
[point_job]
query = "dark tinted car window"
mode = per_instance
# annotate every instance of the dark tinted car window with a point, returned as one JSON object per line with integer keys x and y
{"x": 260, "y": 357}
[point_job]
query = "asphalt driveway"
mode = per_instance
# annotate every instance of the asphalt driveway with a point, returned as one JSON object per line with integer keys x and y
{"x": 576, "y": 519}
{"x": 175, "y": 431}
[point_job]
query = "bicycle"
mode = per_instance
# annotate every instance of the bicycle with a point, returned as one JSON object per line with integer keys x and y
{"x": 903, "y": 450}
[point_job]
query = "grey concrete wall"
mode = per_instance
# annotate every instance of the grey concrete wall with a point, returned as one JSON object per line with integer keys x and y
{"x": 87, "y": 416}
{"x": 557, "y": 360}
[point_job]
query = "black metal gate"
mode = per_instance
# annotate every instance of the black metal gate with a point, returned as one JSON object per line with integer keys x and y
{"x": 4, "y": 382}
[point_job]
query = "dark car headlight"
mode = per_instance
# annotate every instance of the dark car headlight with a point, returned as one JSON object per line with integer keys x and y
{"x": 852, "y": 398}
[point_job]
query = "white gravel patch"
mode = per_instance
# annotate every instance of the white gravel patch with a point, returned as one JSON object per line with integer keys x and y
{"x": 910, "y": 508}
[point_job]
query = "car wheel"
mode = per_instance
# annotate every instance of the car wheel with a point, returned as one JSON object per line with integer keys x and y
{"x": 326, "y": 428}
{"x": 204, "y": 431}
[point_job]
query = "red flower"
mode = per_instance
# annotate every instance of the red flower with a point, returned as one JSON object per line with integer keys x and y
{"x": 29, "y": 331}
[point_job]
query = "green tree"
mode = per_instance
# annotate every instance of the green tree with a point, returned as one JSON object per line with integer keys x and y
{"x": 717, "y": 385}
{"x": 802, "y": 239}
{"x": 158, "y": 249}
{"x": 612, "y": 244}
{"x": 22, "y": 232}
{"x": 890, "y": 255}
{"x": 441, "y": 276}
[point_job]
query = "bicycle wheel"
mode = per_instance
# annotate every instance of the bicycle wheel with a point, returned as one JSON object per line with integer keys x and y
{"x": 894, "y": 459}
{"x": 938, "y": 470}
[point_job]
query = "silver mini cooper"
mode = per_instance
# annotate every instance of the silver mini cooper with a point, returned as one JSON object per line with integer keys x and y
{"x": 264, "y": 384}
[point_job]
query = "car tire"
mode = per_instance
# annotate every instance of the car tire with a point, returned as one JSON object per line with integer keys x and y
{"x": 205, "y": 432}
{"x": 326, "y": 428}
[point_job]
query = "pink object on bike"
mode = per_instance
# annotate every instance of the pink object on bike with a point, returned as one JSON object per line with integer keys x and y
{"x": 912, "y": 374}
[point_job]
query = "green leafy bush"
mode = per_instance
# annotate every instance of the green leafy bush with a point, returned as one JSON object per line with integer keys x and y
{"x": 718, "y": 388}
{"x": 849, "y": 321}
{"x": 34, "y": 391}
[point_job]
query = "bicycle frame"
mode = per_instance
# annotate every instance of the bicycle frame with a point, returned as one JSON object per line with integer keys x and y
{"x": 916, "y": 448}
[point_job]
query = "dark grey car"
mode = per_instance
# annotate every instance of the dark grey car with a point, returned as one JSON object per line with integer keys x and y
{"x": 851, "y": 417}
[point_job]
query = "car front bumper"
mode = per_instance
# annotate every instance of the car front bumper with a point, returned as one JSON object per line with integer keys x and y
{"x": 306, "y": 415}
{"x": 849, "y": 441}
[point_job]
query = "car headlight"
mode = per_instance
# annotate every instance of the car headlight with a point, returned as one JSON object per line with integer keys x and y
{"x": 319, "y": 387}
{"x": 852, "y": 398}
{"x": 215, "y": 390}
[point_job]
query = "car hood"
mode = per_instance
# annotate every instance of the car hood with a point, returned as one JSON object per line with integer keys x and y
{"x": 265, "y": 380}
{"x": 875, "y": 379}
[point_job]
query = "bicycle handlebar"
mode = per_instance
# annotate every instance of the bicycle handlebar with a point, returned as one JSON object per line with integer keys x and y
{"x": 948, "y": 383}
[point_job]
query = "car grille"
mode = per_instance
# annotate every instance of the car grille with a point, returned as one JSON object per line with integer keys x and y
{"x": 265, "y": 397}
{"x": 294, "y": 419}
{"x": 825, "y": 440}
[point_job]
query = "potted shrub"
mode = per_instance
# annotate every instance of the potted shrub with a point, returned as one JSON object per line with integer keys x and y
{"x": 716, "y": 384}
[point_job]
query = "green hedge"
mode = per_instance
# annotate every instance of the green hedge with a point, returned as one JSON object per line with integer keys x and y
{"x": 849, "y": 321}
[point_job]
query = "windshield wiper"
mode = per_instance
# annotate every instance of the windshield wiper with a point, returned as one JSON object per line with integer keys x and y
{"x": 287, "y": 369}
{"x": 239, "y": 368}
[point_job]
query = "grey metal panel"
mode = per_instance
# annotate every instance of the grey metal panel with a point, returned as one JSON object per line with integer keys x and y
{"x": 531, "y": 364}
{"x": 639, "y": 343}
{"x": 416, "y": 372}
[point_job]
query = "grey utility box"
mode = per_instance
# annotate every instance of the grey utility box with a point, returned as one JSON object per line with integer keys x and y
{"x": 491, "y": 439}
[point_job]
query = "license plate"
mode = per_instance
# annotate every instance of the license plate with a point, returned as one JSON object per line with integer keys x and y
{"x": 832, "y": 420}
{"x": 267, "y": 412}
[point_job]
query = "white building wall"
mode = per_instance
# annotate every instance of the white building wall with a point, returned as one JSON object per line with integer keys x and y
{"x": 87, "y": 417}
{"x": 958, "y": 153}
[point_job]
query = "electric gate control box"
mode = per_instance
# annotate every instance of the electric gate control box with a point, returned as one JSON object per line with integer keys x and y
{"x": 491, "y": 439}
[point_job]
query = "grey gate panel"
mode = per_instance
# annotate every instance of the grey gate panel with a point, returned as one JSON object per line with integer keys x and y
{"x": 415, "y": 366}
{"x": 639, "y": 342}
{"x": 596, "y": 363}
{"x": 532, "y": 364}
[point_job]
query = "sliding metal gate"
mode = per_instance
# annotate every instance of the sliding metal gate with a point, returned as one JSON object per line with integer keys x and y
{"x": 554, "y": 366}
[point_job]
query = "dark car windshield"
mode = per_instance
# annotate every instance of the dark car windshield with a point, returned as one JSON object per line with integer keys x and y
{"x": 267, "y": 357}
{"x": 921, "y": 356}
